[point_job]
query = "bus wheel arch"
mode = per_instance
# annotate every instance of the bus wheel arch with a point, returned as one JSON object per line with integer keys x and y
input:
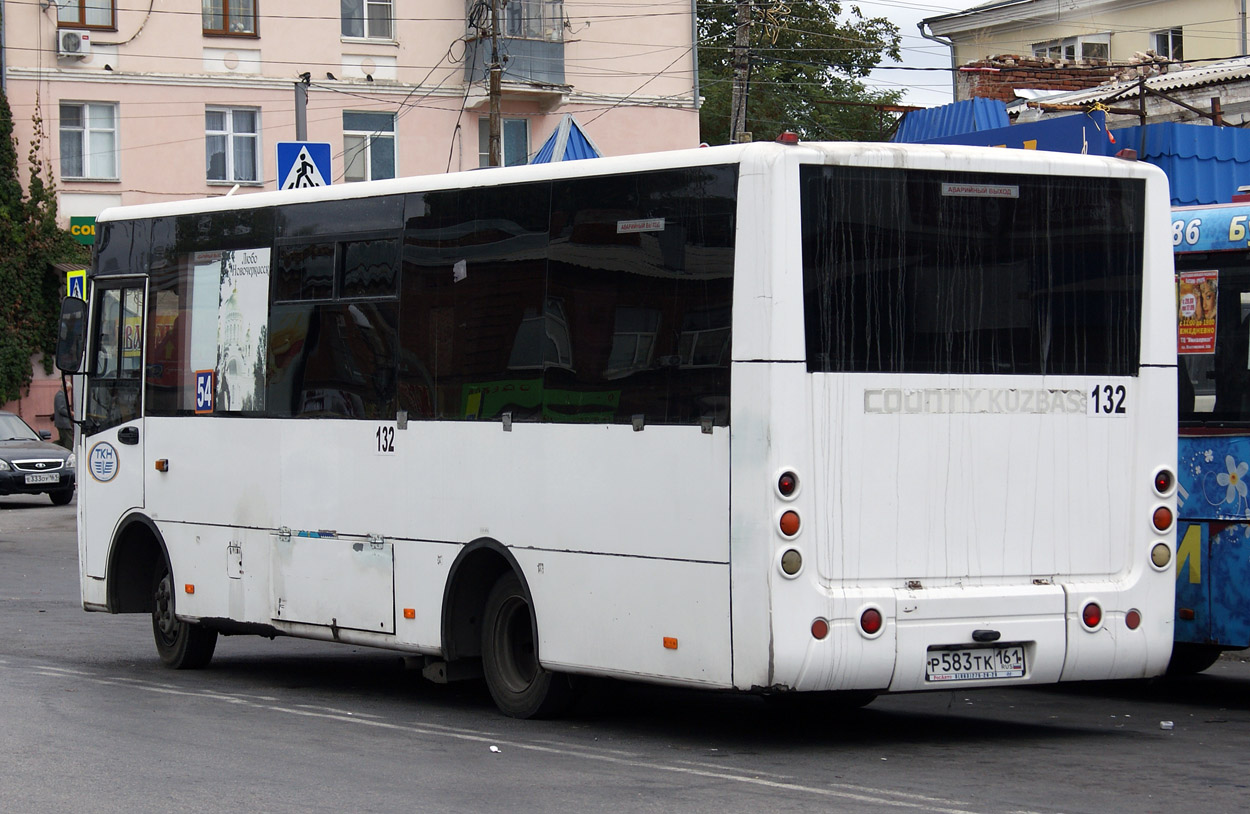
{"x": 136, "y": 551}
{"x": 476, "y": 569}
{"x": 140, "y": 580}
{"x": 488, "y": 613}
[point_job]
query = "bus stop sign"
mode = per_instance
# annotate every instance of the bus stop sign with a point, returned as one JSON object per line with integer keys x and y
{"x": 303, "y": 164}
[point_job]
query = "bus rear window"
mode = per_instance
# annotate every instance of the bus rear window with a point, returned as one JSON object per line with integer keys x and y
{"x": 915, "y": 271}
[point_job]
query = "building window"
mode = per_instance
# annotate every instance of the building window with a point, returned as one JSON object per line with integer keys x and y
{"x": 368, "y": 146}
{"x": 533, "y": 19}
{"x": 89, "y": 140}
{"x": 230, "y": 17}
{"x": 86, "y": 14}
{"x": 367, "y": 18}
{"x": 514, "y": 142}
{"x": 1168, "y": 44}
{"x": 1094, "y": 46}
{"x": 232, "y": 144}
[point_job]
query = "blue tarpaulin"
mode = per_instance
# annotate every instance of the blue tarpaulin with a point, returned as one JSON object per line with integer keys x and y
{"x": 968, "y": 116}
{"x": 567, "y": 143}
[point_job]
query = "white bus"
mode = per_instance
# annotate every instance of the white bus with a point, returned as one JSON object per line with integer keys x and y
{"x": 768, "y": 417}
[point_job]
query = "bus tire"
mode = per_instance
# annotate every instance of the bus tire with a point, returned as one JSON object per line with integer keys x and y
{"x": 519, "y": 685}
{"x": 181, "y": 645}
{"x": 1189, "y": 658}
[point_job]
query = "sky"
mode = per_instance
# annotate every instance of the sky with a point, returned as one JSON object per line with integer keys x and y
{"x": 925, "y": 88}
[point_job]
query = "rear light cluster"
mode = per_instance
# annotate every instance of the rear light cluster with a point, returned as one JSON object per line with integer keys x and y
{"x": 1091, "y": 615}
{"x": 1163, "y": 518}
{"x": 787, "y": 487}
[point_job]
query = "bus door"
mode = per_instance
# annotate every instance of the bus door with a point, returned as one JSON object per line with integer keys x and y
{"x": 112, "y": 414}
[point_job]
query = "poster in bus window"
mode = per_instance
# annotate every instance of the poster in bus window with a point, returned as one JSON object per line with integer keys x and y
{"x": 1195, "y": 311}
{"x": 242, "y": 325}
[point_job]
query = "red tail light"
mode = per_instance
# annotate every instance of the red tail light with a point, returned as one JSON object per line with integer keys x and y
{"x": 1163, "y": 482}
{"x": 787, "y": 483}
{"x": 1162, "y": 518}
{"x": 1091, "y": 615}
{"x": 870, "y": 621}
{"x": 1133, "y": 619}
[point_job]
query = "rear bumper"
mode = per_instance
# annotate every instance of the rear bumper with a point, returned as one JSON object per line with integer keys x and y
{"x": 1044, "y": 620}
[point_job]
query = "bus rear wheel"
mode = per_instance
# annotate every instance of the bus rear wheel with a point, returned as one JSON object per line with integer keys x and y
{"x": 519, "y": 685}
{"x": 181, "y": 645}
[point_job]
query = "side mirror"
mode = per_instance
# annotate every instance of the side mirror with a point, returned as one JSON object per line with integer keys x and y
{"x": 45, "y": 435}
{"x": 71, "y": 335}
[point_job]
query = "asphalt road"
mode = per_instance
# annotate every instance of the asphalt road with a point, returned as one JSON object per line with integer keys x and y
{"x": 90, "y": 722}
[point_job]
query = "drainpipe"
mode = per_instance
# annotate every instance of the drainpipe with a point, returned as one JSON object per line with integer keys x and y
{"x": 951, "y": 45}
{"x": 4, "y": 51}
{"x": 1243, "y": 27}
{"x": 694, "y": 42}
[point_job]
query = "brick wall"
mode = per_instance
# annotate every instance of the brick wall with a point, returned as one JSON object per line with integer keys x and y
{"x": 998, "y": 77}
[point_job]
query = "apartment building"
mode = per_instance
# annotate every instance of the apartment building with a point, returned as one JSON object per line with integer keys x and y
{"x": 151, "y": 100}
{"x": 1113, "y": 31}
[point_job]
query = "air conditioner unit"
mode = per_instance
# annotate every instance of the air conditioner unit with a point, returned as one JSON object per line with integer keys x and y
{"x": 73, "y": 43}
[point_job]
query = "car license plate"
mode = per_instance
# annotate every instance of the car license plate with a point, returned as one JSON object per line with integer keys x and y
{"x": 975, "y": 663}
{"x": 46, "y": 477}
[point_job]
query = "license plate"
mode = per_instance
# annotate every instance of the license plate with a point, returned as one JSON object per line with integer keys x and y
{"x": 975, "y": 663}
{"x": 46, "y": 477}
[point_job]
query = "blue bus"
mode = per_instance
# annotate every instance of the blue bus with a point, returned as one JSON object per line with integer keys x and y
{"x": 1212, "y": 253}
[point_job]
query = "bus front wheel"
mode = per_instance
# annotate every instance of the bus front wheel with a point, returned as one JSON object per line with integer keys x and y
{"x": 519, "y": 685}
{"x": 181, "y": 645}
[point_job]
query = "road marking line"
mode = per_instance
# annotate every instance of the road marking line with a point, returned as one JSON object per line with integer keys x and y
{"x": 840, "y": 791}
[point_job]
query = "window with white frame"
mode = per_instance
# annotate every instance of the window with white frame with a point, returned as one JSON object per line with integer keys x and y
{"x": 367, "y": 18}
{"x": 514, "y": 142}
{"x": 232, "y": 144}
{"x": 368, "y": 146}
{"x": 1169, "y": 44}
{"x": 88, "y": 133}
{"x": 532, "y": 19}
{"x": 1090, "y": 46}
{"x": 86, "y": 14}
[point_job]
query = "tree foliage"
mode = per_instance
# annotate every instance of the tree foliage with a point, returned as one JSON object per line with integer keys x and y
{"x": 804, "y": 56}
{"x": 30, "y": 243}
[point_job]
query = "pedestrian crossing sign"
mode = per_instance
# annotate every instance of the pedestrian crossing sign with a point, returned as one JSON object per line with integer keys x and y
{"x": 303, "y": 164}
{"x": 76, "y": 284}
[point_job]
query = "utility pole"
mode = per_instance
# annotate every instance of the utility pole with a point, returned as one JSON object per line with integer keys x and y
{"x": 301, "y": 106}
{"x": 496, "y": 74}
{"x": 741, "y": 72}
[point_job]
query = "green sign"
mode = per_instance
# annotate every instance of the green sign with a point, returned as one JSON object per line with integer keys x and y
{"x": 83, "y": 229}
